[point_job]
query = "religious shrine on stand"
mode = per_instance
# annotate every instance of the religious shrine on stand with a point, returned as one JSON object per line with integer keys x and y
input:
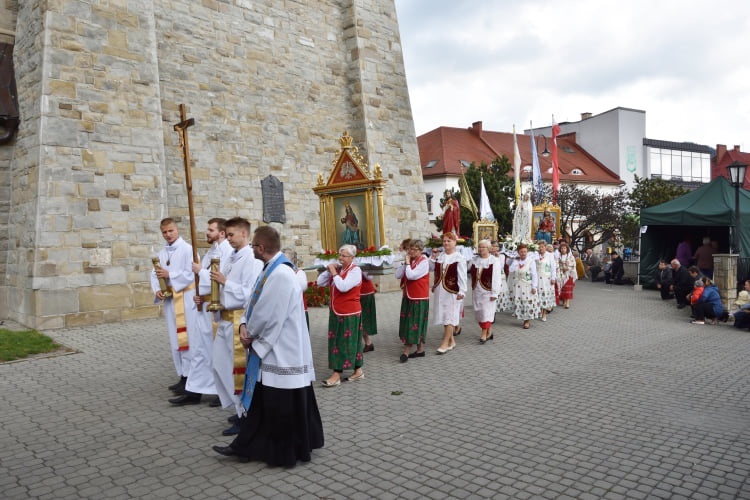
{"x": 351, "y": 213}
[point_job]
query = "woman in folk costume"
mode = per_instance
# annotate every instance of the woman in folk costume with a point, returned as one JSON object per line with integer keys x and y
{"x": 525, "y": 282}
{"x": 449, "y": 287}
{"x": 504, "y": 301}
{"x": 566, "y": 274}
{"x": 485, "y": 284}
{"x": 369, "y": 313}
{"x": 547, "y": 271}
{"x": 345, "y": 318}
{"x": 414, "y": 274}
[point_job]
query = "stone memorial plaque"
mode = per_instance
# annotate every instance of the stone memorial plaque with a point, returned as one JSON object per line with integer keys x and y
{"x": 273, "y": 200}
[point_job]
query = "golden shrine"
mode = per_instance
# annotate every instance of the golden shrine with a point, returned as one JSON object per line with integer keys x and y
{"x": 351, "y": 201}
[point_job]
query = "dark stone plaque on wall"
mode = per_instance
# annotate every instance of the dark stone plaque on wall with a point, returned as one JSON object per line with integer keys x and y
{"x": 273, "y": 200}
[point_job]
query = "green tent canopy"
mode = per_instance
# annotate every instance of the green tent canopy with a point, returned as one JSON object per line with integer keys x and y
{"x": 707, "y": 211}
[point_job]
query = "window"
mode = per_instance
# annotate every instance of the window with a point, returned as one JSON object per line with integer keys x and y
{"x": 576, "y": 171}
{"x": 688, "y": 166}
{"x": 431, "y": 164}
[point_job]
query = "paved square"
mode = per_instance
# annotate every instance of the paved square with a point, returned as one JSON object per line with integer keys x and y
{"x": 617, "y": 397}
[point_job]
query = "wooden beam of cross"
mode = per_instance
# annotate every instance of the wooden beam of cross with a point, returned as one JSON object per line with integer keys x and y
{"x": 181, "y": 129}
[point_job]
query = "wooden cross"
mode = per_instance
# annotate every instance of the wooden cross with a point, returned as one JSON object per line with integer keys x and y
{"x": 181, "y": 129}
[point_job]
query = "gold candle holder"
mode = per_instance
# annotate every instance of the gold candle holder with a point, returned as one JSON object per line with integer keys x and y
{"x": 166, "y": 292}
{"x": 215, "y": 304}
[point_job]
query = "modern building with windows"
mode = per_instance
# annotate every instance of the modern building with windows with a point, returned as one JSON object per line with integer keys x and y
{"x": 682, "y": 162}
{"x": 617, "y": 138}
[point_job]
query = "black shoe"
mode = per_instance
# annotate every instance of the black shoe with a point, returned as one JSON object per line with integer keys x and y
{"x": 214, "y": 402}
{"x": 228, "y": 451}
{"x": 403, "y": 358}
{"x": 190, "y": 398}
{"x": 457, "y": 331}
{"x": 180, "y": 389}
{"x": 231, "y": 431}
{"x": 369, "y": 348}
{"x": 417, "y": 354}
{"x": 234, "y": 419}
{"x": 491, "y": 337}
{"x": 180, "y": 383}
{"x": 680, "y": 306}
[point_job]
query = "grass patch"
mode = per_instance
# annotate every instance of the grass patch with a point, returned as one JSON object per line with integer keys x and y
{"x": 17, "y": 345}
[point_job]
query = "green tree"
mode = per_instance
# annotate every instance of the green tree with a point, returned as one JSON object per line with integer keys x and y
{"x": 499, "y": 187}
{"x": 588, "y": 217}
{"x": 652, "y": 192}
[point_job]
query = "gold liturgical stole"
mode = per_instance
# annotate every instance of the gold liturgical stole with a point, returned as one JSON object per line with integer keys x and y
{"x": 240, "y": 353}
{"x": 179, "y": 317}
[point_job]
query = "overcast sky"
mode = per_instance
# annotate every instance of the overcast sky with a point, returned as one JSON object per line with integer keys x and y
{"x": 685, "y": 63}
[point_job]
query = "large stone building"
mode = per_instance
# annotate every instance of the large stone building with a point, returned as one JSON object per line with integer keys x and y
{"x": 96, "y": 163}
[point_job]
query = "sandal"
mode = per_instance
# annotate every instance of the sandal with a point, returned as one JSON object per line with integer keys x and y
{"x": 354, "y": 378}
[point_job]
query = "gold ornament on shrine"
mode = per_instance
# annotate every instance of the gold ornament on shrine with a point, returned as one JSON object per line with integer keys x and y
{"x": 351, "y": 201}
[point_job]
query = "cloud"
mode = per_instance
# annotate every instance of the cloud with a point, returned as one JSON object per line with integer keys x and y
{"x": 510, "y": 62}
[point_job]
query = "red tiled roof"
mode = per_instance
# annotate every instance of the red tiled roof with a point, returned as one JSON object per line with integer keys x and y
{"x": 448, "y": 146}
{"x": 725, "y": 157}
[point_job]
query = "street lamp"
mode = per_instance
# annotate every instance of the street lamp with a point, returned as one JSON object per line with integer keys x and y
{"x": 545, "y": 153}
{"x": 737, "y": 178}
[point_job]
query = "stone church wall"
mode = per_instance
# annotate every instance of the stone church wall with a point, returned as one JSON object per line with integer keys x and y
{"x": 96, "y": 164}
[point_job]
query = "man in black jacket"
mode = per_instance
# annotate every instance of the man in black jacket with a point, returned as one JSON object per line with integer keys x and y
{"x": 664, "y": 279}
{"x": 617, "y": 270}
{"x": 682, "y": 285}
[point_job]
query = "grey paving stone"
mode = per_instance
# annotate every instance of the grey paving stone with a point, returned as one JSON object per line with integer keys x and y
{"x": 616, "y": 398}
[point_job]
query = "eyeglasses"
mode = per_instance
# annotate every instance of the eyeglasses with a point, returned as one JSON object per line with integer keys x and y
{"x": 255, "y": 245}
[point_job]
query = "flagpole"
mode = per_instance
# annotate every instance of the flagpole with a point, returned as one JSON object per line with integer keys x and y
{"x": 536, "y": 173}
{"x": 555, "y": 161}
{"x": 516, "y": 166}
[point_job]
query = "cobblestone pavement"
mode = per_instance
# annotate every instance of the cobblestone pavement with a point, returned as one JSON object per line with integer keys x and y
{"x": 617, "y": 397}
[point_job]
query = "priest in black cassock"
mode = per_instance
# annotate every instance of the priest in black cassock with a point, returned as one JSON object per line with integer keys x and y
{"x": 282, "y": 423}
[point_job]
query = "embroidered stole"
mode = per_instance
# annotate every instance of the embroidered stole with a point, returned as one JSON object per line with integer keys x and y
{"x": 240, "y": 358}
{"x": 253, "y": 361}
{"x": 178, "y": 301}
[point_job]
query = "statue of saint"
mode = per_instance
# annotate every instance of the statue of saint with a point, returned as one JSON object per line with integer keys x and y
{"x": 522, "y": 218}
{"x": 451, "y": 214}
{"x": 546, "y": 227}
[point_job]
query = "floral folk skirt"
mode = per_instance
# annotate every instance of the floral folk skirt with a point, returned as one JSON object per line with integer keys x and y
{"x": 526, "y": 303}
{"x": 414, "y": 318}
{"x": 345, "y": 342}
{"x": 369, "y": 314}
